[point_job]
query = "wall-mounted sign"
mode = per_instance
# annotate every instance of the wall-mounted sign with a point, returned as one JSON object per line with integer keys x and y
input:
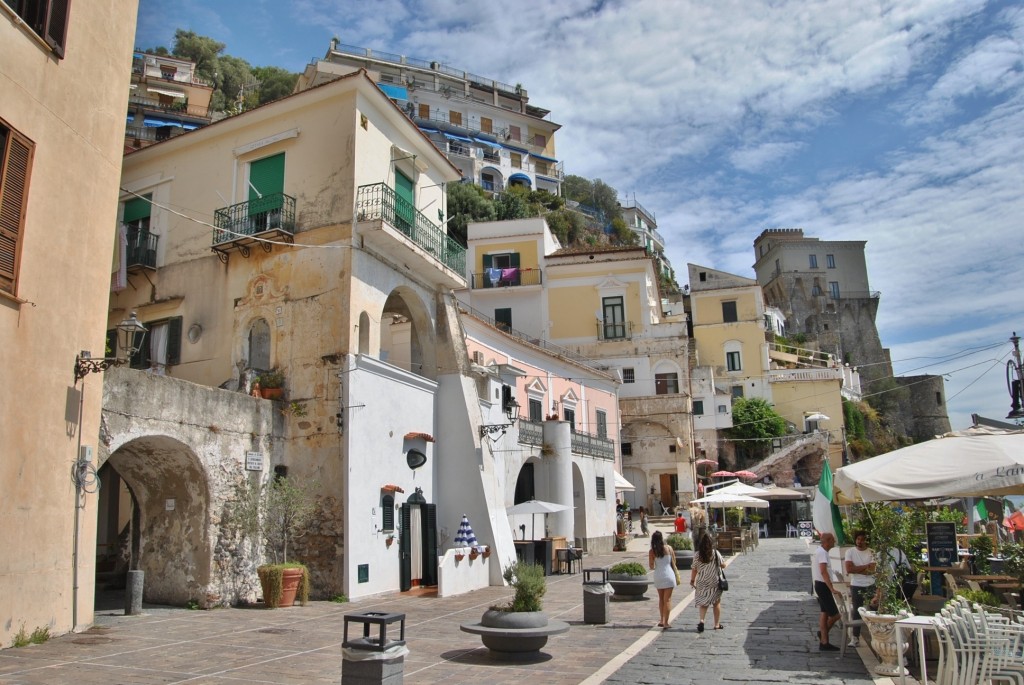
{"x": 253, "y": 461}
{"x": 805, "y": 529}
{"x": 168, "y": 505}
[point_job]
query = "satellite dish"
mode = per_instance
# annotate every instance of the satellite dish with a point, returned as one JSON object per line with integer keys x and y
{"x": 415, "y": 459}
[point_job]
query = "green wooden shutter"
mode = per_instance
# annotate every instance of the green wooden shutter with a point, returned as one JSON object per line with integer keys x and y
{"x": 137, "y": 208}
{"x": 514, "y": 259}
{"x": 429, "y": 575}
{"x": 266, "y": 184}
{"x": 404, "y": 549}
{"x": 404, "y": 207}
{"x": 174, "y": 341}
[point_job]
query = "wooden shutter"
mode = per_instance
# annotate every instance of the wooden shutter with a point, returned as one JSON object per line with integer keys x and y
{"x": 174, "y": 341}
{"x": 404, "y": 550}
{"x": 455, "y": 117}
{"x": 15, "y": 164}
{"x": 429, "y": 574}
{"x": 266, "y": 181}
{"x": 55, "y": 31}
{"x": 404, "y": 206}
{"x": 486, "y": 125}
{"x": 424, "y": 111}
{"x": 137, "y": 208}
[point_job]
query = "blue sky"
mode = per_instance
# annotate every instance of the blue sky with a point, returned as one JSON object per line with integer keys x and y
{"x": 898, "y": 122}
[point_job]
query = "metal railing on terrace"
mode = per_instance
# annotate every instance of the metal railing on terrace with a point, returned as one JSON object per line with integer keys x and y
{"x": 856, "y": 295}
{"x": 504, "y": 278}
{"x": 272, "y": 212}
{"x": 379, "y": 201}
{"x": 538, "y": 342}
{"x": 594, "y": 445}
{"x": 632, "y": 203}
{"x": 614, "y": 330}
{"x": 531, "y": 432}
{"x": 140, "y": 132}
{"x": 179, "y": 107}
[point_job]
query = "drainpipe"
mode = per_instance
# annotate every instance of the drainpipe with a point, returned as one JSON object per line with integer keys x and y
{"x": 78, "y": 499}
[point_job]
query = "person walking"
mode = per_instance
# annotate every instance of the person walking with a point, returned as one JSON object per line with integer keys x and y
{"x": 704, "y": 574}
{"x": 825, "y": 591}
{"x": 644, "y": 524}
{"x": 662, "y": 560}
{"x": 859, "y": 564}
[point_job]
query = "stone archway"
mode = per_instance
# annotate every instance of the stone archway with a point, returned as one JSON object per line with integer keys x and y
{"x": 407, "y": 334}
{"x": 170, "y": 498}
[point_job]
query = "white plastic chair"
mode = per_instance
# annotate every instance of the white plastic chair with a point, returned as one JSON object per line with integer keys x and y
{"x": 764, "y": 530}
{"x": 791, "y": 531}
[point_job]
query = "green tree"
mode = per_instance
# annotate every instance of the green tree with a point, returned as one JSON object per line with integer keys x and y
{"x": 754, "y": 424}
{"x": 622, "y": 234}
{"x": 514, "y": 203}
{"x": 202, "y": 50}
{"x": 466, "y": 203}
{"x": 566, "y": 225}
{"x": 275, "y": 83}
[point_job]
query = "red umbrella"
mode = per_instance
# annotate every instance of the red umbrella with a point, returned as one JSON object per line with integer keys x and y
{"x": 722, "y": 474}
{"x": 746, "y": 475}
{"x": 706, "y": 462}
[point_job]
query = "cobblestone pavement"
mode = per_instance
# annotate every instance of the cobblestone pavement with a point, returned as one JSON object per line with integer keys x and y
{"x": 769, "y": 616}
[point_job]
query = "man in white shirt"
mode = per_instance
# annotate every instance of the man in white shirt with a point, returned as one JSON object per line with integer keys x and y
{"x": 859, "y": 565}
{"x": 822, "y": 575}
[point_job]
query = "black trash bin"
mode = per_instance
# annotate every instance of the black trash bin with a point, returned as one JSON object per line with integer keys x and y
{"x": 596, "y": 595}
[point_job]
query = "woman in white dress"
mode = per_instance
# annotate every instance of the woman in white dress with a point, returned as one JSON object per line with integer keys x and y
{"x": 662, "y": 560}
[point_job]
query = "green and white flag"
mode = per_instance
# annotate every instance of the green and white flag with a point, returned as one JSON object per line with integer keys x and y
{"x": 823, "y": 510}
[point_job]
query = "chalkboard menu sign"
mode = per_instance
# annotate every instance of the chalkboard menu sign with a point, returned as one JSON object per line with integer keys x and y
{"x": 941, "y": 543}
{"x": 942, "y": 551}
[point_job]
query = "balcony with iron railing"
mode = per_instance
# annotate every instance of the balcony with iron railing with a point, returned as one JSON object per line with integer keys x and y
{"x": 264, "y": 219}
{"x": 141, "y": 249}
{"x": 532, "y": 433}
{"x": 614, "y": 330}
{"x": 178, "y": 107}
{"x": 506, "y": 278}
{"x": 378, "y": 202}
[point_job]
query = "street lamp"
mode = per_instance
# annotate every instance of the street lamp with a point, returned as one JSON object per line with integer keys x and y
{"x": 511, "y": 411}
{"x": 1015, "y": 380}
{"x": 130, "y": 333}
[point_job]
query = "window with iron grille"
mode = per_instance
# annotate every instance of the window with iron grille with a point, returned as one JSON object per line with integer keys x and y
{"x": 698, "y": 407}
{"x": 600, "y": 487}
{"x": 15, "y": 168}
{"x": 628, "y": 376}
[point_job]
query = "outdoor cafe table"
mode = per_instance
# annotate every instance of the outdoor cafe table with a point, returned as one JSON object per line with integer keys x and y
{"x": 994, "y": 578}
{"x": 918, "y": 624}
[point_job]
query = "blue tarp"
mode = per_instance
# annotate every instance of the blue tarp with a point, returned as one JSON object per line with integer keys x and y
{"x": 396, "y": 92}
{"x": 487, "y": 142}
{"x": 153, "y": 121}
{"x": 520, "y": 177}
{"x": 454, "y": 136}
{"x": 546, "y": 159}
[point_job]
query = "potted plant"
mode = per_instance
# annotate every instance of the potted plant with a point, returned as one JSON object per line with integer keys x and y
{"x": 890, "y": 530}
{"x": 981, "y": 549}
{"x": 271, "y": 384}
{"x": 629, "y": 579}
{"x": 683, "y": 546}
{"x": 273, "y": 515}
{"x": 518, "y": 627}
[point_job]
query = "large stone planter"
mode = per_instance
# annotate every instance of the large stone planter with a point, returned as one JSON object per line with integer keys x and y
{"x": 515, "y": 634}
{"x": 628, "y": 588}
{"x": 684, "y": 559}
{"x": 882, "y": 628}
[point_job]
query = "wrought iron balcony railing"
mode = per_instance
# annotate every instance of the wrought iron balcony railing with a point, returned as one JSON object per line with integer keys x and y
{"x": 614, "y": 330}
{"x": 379, "y": 201}
{"x": 502, "y": 278}
{"x": 179, "y": 106}
{"x": 531, "y": 432}
{"x": 141, "y": 248}
{"x": 272, "y": 212}
{"x": 594, "y": 445}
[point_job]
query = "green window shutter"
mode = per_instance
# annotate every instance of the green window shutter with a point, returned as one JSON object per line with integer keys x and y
{"x": 488, "y": 261}
{"x": 137, "y": 208}
{"x": 514, "y": 259}
{"x": 266, "y": 184}
{"x": 174, "y": 341}
{"x": 111, "y": 350}
{"x": 404, "y": 207}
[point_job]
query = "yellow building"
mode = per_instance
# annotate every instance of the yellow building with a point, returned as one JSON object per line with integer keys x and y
{"x": 61, "y": 136}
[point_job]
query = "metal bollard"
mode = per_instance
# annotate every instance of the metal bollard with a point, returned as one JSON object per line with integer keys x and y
{"x": 596, "y": 595}
{"x": 373, "y": 660}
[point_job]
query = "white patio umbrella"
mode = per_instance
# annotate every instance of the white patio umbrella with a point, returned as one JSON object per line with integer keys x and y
{"x": 970, "y": 463}
{"x": 536, "y": 506}
{"x": 725, "y": 499}
{"x": 761, "y": 493}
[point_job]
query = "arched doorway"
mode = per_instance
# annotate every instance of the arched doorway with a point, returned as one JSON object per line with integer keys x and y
{"x": 163, "y": 486}
{"x": 406, "y": 334}
{"x": 418, "y": 543}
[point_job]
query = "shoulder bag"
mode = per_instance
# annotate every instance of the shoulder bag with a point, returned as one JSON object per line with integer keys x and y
{"x": 723, "y": 582}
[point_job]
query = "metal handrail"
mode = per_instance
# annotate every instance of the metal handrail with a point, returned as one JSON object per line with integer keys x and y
{"x": 141, "y": 248}
{"x": 594, "y": 445}
{"x": 615, "y": 330}
{"x": 379, "y": 201}
{"x": 273, "y": 211}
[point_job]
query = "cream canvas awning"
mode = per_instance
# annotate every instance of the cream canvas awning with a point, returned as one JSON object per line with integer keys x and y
{"x": 621, "y": 483}
{"x": 166, "y": 91}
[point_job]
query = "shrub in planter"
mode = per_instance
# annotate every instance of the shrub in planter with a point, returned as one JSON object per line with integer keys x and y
{"x": 982, "y": 597}
{"x": 683, "y": 546}
{"x": 628, "y": 568}
{"x": 981, "y": 550}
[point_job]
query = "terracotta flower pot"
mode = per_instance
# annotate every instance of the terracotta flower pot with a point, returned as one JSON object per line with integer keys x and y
{"x": 271, "y": 393}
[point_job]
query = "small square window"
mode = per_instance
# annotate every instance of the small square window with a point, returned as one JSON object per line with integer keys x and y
{"x": 672, "y": 449}
{"x": 666, "y": 383}
{"x": 723, "y": 409}
{"x": 627, "y": 449}
{"x": 737, "y": 392}
{"x": 628, "y": 376}
{"x": 698, "y": 407}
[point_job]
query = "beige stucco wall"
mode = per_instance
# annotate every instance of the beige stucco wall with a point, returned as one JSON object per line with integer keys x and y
{"x": 794, "y": 400}
{"x": 73, "y": 109}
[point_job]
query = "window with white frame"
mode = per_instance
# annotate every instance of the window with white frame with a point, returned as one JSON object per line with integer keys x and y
{"x": 732, "y": 361}
{"x": 698, "y": 407}
{"x": 813, "y": 261}
{"x": 628, "y": 376}
{"x": 600, "y": 494}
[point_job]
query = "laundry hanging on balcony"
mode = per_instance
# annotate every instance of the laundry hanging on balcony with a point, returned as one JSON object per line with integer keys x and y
{"x": 494, "y": 276}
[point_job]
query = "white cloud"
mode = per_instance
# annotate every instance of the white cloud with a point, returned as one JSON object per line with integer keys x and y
{"x": 757, "y": 158}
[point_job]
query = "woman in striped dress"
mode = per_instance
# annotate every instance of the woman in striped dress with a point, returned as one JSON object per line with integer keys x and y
{"x": 704, "y": 578}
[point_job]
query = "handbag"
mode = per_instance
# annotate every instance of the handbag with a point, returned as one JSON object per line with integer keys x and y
{"x": 723, "y": 582}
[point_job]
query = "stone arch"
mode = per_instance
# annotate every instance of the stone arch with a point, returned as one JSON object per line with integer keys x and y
{"x": 407, "y": 334}
{"x": 257, "y": 345}
{"x": 364, "y": 333}
{"x": 171, "y": 500}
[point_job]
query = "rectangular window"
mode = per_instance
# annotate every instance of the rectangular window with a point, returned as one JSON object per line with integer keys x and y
{"x": 570, "y": 417}
{"x": 628, "y": 376}
{"x": 833, "y": 289}
{"x": 486, "y": 125}
{"x": 729, "y": 314}
{"x": 627, "y": 449}
{"x": 424, "y": 111}
{"x": 405, "y": 203}
{"x": 516, "y": 160}
{"x": 161, "y": 346}
{"x": 47, "y": 18}
{"x": 503, "y": 318}
{"x": 830, "y": 261}
{"x": 732, "y": 361}
{"x": 737, "y": 391}
{"x": 536, "y": 410}
{"x": 455, "y": 117}
{"x": 602, "y": 423}
{"x": 15, "y": 166}
{"x": 723, "y": 409}
{"x": 698, "y": 407}
{"x": 539, "y": 140}
{"x": 813, "y": 261}
{"x": 614, "y": 327}
{"x": 666, "y": 383}
{"x": 600, "y": 487}
{"x": 141, "y": 243}
{"x": 514, "y": 134}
